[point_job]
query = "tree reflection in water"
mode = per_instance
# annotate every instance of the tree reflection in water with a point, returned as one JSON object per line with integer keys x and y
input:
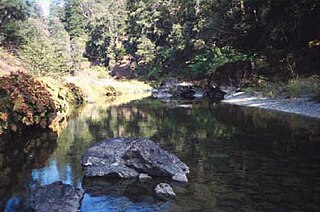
{"x": 241, "y": 159}
{"x": 19, "y": 155}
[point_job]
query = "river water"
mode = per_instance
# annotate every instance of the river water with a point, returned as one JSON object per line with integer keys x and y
{"x": 241, "y": 159}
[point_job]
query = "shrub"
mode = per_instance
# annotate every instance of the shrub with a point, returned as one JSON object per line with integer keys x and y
{"x": 76, "y": 92}
{"x": 100, "y": 71}
{"x": 24, "y": 102}
{"x": 303, "y": 86}
{"x": 296, "y": 87}
{"x": 206, "y": 63}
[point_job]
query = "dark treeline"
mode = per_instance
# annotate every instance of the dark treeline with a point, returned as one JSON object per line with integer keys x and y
{"x": 184, "y": 38}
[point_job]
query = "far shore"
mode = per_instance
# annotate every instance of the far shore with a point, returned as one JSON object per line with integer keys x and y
{"x": 300, "y": 106}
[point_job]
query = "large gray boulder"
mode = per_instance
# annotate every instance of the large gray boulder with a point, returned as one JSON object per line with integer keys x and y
{"x": 128, "y": 157}
{"x": 56, "y": 197}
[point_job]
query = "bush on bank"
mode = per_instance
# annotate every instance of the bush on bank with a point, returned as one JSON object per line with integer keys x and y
{"x": 26, "y": 101}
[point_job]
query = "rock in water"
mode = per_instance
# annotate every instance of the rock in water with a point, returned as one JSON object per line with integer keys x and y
{"x": 164, "y": 190}
{"x": 128, "y": 157}
{"x": 144, "y": 177}
{"x": 170, "y": 82}
{"x": 180, "y": 178}
{"x": 171, "y": 87}
{"x": 56, "y": 197}
{"x": 215, "y": 94}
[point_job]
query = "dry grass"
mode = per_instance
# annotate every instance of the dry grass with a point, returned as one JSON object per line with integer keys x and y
{"x": 296, "y": 87}
{"x": 304, "y": 87}
{"x": 95, "y": 87}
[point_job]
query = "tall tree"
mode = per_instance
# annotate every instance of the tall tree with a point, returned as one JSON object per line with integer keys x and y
{"x": 74, "y": 18}
{"x": 105, "y": 31}
{"x": 12, "y": 12}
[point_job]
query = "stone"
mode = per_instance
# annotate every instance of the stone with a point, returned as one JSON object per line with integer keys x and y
{"x": 171, "y": 87}
{"x": 129, "y": 157}
{"x": 144, "y": 177}
{"x": 180, "y": 178}
{"x": 161, "y": 93}
{"x": 164, "y": 190}
{"x": 215, "y": 94}
{"x": 56, "y": 197}
{"x": 185, "y": 90}
{"x": 170, "y": 82}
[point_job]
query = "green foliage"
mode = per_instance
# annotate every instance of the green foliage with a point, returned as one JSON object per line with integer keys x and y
{"x": 296, "y": 87}
{"x": 145, "y": 50}
{"x": 74, "y": 18}
{"x": 177, "y": 38}
{"x": 60, "y": 42}
{"x": 303, "y": 86}
{"x": 98, "y": 43}
{"x": 205, "y": 64}
{"x": 198, "y": 36}
{"x": 24, "y": 102}
{"x": 105, "y": 33}
{"x": 45, "y": 50}
{"x": 12, "y": 12}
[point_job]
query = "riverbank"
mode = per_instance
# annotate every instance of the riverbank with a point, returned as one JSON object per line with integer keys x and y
{"x": 47, "y": 102}
{"x": 301, "y": 106}
{"x": 96, "y": 89}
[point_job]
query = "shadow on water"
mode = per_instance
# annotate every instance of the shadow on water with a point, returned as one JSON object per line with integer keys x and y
{"x": 241, "y": 159}
{"x": 113, "y": 194}
{"x": 19, "y": 155}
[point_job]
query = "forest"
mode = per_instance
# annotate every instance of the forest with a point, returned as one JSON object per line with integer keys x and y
{"x": 188, "y": 39}
{"x": 271, "y": 47}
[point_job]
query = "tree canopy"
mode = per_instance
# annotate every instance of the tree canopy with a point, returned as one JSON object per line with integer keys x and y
{"x": 184, "y": 38}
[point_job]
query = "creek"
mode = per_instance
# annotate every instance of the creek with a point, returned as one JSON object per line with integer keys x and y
{"x": 241, "y": 159}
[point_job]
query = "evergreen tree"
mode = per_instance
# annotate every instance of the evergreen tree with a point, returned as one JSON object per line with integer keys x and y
{"x": 105, "y": 31}
{"x": 74, "y": 18}
{"x": 12, "y": 13}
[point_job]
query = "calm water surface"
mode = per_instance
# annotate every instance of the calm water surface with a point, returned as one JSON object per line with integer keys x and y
{"x": 241, "y": 159}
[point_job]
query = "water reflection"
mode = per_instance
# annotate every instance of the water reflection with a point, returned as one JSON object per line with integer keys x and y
{"x": 241, "y": 159}
{"x": 19, "y": 155}
{"x": 127, "y": 195}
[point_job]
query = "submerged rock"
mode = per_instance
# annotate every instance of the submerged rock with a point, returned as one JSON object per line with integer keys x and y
{"x": 128, "y": 157}
{"x": 122, "y": 195}
{"x": 56, "y": 197}
{"x": 164, "y": 190}
{"x": 133, "y": 189}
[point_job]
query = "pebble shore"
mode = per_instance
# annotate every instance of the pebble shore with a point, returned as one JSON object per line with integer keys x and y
{"x": 300, "y": 106}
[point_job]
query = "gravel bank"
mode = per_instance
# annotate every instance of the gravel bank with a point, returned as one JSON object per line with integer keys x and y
{"x": 300, "y": 106}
